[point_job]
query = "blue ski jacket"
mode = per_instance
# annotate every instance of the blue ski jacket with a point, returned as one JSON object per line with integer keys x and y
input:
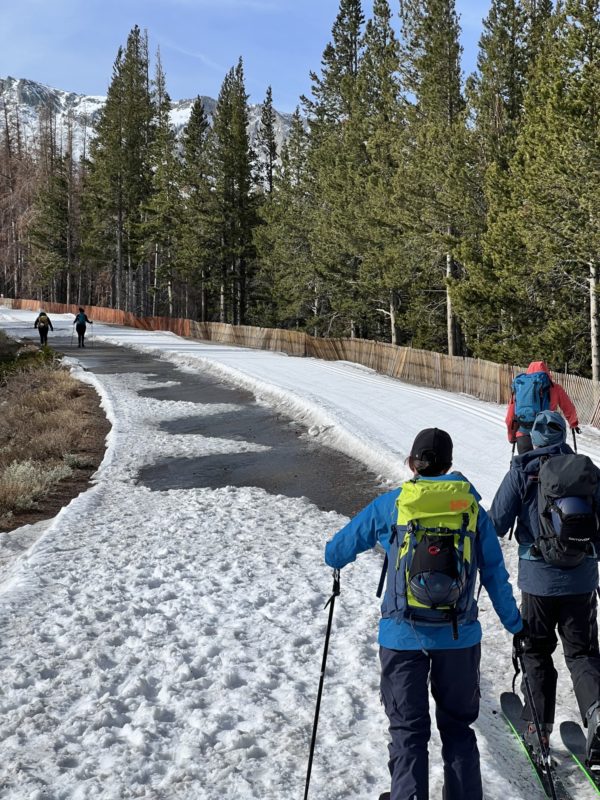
{"x": 517, "y": 499}
{"x": 373, "y": 525}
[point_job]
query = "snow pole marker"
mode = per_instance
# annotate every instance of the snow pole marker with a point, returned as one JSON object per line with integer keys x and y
{"x": 330, "y": 603}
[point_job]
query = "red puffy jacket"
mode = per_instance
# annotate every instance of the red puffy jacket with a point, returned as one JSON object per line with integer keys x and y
{"x": 558, "y": 399}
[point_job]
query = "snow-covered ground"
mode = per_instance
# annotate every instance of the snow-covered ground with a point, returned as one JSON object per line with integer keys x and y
{"x": 168, "y": 644}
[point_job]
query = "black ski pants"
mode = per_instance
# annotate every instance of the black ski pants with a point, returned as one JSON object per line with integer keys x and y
{"x": 454, "y": 678}
{"x": 574, "y": 616}
{"x": 80, "y": 328}
{"x": 43, "y": 332}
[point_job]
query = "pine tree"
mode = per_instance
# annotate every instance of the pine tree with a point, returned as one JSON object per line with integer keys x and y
{"x": 267, "y": 143}
{"x": 289, "y": 289}
{"x": 498, "y": 87}
{"x": 49, "y": 225}
{"x": 556, "y": 174}
{"x": 198, "y": 234}
{"x": 337, "y": 160}
{"x": 496, "y": 94}
{"x": 162, "y": 210}
{"x": 384, "y": 276}
{"x": 438, "y": 171}
{"x": 119, "y": 180}
{"x": 232, "y": 162}
{"x": 53, "y": 225}
{"x": 333, "y": 90}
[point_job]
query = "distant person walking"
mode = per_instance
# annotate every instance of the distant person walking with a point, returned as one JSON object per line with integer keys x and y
{"x": 534, "y": 391}
{"x": 81, "y": 321}
{"x": 42, "y": 323}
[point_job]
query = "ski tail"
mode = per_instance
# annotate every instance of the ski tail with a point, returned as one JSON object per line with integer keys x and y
{"x": 544, "y": 771}
{"x": 573, "y": 738}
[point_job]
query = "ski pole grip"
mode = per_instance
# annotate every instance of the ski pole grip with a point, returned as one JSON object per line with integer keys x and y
{"x": 335, "y": 592}
{"x": 336, "y": 582}
{"x": 382, "y": 577}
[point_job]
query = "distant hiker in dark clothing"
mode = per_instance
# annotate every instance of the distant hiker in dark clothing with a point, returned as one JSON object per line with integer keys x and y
{"x": 534, "y": 391}
{"x": 80, "y": 322}
{"x": 42, "y": 323}
{"x": 554, "y": 496}
{"x": 438, "y": 540}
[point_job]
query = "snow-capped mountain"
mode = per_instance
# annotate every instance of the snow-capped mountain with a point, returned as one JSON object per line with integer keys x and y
{"x": 26, "y": 101}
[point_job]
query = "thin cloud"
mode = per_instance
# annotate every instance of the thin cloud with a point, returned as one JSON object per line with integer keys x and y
{"x": 192, "y": 54}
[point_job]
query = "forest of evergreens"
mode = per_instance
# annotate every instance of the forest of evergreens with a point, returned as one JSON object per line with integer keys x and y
{"x": 408, "y": 204}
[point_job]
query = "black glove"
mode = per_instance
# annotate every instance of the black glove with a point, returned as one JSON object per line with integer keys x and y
{"x": 519, "y": 639}
{"x": 577, "y": 430}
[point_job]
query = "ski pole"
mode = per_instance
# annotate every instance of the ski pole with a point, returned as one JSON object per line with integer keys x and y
{"x": 330, "y": 603}
{"x": 574, "y": 439}
{"x": 512, "y": 527}
{"x": 544, "y": 749}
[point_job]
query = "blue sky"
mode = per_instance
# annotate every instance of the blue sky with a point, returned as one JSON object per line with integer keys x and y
{"x": 71, "y": 44}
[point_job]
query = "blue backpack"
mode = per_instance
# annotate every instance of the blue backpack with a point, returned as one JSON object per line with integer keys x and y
{"x": 531, "y": 392}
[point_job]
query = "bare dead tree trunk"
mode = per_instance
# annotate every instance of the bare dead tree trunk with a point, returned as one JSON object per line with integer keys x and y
{"x": 593, "y": 280}
{"x": 449, "y": 313}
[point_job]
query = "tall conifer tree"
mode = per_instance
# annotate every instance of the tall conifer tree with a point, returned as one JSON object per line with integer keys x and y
{"x": 337, "y": 160}
{"x": 267, "y": 143}
{"x": 385, "y": 272}
{"x": 233, "y": 174}
{"x": 290, "y": 288}
{"x": 555, "y": 179}
{"x": 119, "y": 180}
{"x": 438, "y": 172}
{"x": 199, "y": 232}
{"x": 162, "y": 210}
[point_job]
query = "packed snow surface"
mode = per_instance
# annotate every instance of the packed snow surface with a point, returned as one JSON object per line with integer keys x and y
{"x": 168, "y": 644}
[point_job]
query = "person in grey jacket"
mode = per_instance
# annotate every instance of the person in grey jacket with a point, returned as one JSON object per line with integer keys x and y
{"x": 553, "y": 598}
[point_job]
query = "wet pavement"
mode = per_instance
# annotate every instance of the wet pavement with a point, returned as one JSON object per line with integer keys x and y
{"x": 295, "y": 465}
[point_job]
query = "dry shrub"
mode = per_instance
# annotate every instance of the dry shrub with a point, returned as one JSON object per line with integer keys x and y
{"x": 43, "y": 400}
{"x": 42, "y": 427}
{"x": 22, "y": 482}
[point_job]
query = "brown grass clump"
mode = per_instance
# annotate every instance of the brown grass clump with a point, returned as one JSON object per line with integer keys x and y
{"x": 46, "y": 432}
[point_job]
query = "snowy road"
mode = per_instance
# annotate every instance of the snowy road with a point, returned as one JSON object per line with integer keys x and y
{"x": 168, "y": 644}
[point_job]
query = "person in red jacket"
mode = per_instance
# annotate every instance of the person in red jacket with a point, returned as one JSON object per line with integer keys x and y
{"x": 558, "y": 399}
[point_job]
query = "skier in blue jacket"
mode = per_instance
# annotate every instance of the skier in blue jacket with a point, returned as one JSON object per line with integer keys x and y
{"x": 552, "y": 597}
{"x": 411, "y": 653}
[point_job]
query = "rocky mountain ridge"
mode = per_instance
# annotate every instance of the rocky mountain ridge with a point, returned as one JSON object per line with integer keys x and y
{"x": 25, "y": 101}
